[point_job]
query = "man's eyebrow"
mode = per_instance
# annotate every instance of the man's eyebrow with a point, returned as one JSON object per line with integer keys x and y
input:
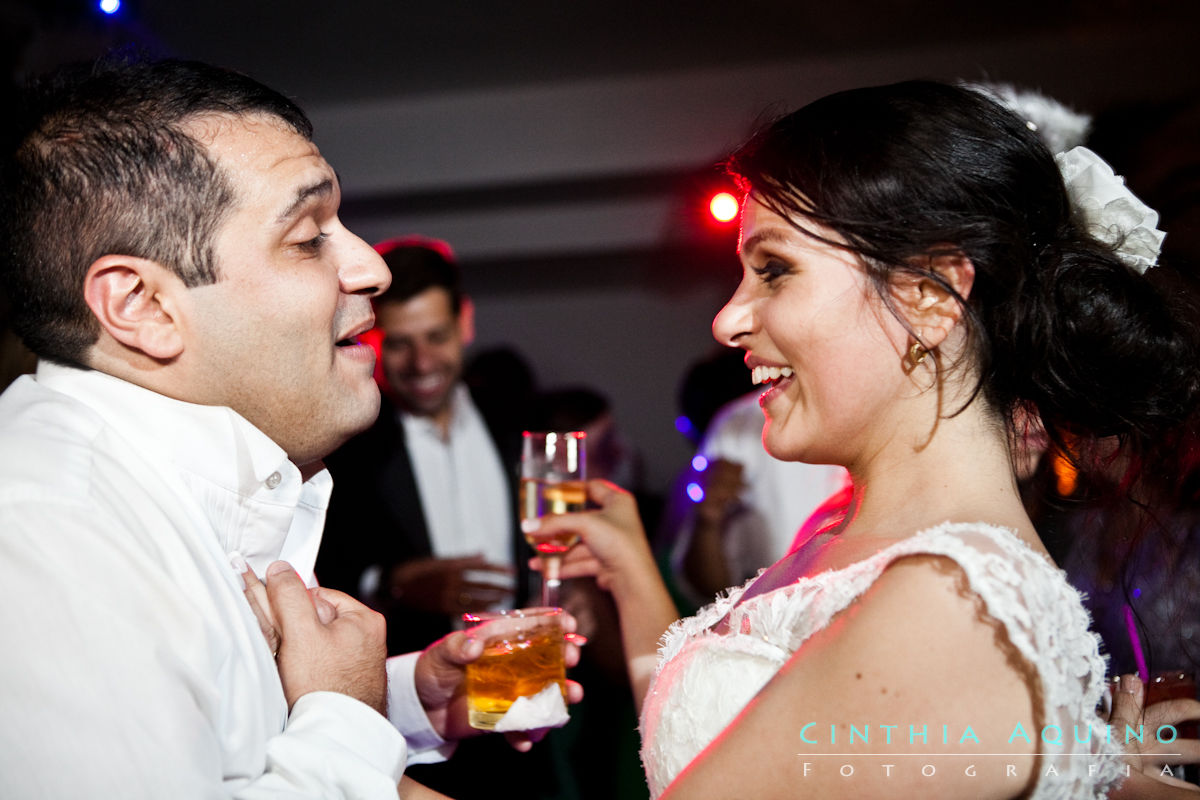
{"x": 321, "y": 189}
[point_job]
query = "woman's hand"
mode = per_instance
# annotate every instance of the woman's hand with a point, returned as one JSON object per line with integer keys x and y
{"x": 614, "y": 545}
{"x": 613, "y": 548}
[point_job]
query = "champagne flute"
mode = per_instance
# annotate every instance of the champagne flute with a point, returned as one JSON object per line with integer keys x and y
{"x": 552, "y": 482}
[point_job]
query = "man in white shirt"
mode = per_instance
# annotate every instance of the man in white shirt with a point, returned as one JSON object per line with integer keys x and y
{"x": 174, "y": 257}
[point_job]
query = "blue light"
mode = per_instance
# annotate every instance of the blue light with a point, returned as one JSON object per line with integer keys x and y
{"x": 699, "y": 463}
{"x": 684, "y": 426}
{"x": 110, "y": 6}
{"x": 695, "y": 491}
{"x": 1137, "y": 593}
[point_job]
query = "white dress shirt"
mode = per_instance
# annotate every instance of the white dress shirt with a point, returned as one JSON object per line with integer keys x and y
{"x": 460, "y": 478}
{"x": 132, "y": 665}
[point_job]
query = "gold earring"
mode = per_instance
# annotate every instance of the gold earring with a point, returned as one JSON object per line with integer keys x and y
{"x": 917, "y": 353}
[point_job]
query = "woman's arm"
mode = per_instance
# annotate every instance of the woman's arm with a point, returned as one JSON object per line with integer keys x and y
{"x": 915, "y": 667}
{"x": 614, "y": 548}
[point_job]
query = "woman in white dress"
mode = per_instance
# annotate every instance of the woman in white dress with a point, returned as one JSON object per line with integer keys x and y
{"x": 915, "y": 273}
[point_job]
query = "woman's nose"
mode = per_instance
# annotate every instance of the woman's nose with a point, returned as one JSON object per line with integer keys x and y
{"x": 735, "y": 320}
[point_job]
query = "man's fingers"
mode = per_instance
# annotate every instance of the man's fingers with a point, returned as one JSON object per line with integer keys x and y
{"x": 488, "y": 567}
{"x": 338, "y": 599}
{"x": 326, "y": 611}
{"x": 485, "y": 591}
{"x": 1127, "y": 698}
{"x": 519, "y": 741}
{"x": 472, "y": 562}
{"x": 289, "y": 597}
{"x": 256, "y": 596}
{"x": 1172, "y": 712}
{"x": 1180, "y": 751}
{"x": 571, "y": 652}
{"x": 458, "y": 648}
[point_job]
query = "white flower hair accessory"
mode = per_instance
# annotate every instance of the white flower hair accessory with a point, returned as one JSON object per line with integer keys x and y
{"x": 1110, "y": 211}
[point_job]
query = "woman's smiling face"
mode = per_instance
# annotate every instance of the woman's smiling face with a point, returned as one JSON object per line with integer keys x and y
{"x": 817, "y": 333}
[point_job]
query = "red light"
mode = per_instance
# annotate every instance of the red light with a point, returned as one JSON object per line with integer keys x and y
{"x": 723, "y": 206}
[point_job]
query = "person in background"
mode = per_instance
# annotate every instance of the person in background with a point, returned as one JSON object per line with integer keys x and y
{"x": 174, "y": 258}
{"x": 424, "y": 524}
{"x": 501, "y": 380}
{"x": 709, "y": 383}
{"x": 744, "y": 507}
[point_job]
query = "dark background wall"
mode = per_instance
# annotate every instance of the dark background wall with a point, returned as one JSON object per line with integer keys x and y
{"x": 564, "y": 149}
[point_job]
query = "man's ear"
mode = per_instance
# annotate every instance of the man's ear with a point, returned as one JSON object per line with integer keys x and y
{"x": 466, "y": 321}
{"x": 133, "y": 298}
{"x": 926, "y": 302}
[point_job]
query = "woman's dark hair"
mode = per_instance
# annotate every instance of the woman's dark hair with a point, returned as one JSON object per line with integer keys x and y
{"x": 1057, "y": 323}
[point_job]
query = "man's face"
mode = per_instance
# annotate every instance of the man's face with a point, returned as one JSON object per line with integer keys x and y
{"x": 275, "y": 338}
{"x": 423, "y": 342}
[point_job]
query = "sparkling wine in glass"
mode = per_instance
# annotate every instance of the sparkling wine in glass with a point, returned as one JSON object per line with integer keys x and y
{"x": 552, "y": 482}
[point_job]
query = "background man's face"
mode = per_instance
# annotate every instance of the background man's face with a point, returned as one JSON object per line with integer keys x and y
{"x": 423, "y": 342}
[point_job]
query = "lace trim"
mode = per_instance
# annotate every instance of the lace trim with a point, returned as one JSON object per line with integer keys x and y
{"x": 1043, "y": 618}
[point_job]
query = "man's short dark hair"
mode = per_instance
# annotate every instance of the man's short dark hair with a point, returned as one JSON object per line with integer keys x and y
{"x": 98, "y": 163}
{"x": 418, "y": 263}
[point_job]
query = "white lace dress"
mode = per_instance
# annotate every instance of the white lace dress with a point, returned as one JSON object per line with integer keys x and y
{"x": 705, "y": 679}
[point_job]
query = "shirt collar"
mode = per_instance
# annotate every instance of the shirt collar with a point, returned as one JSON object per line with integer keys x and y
{"x": 249, "y": 490}
{"x": 460, "y": 407}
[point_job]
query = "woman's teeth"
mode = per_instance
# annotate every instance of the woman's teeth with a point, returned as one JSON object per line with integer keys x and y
{"x": 769, "y": 374}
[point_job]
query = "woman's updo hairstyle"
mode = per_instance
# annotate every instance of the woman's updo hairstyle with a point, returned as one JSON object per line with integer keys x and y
{"x": 1056, "y": 321}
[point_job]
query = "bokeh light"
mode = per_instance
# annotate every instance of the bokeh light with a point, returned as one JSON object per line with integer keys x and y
{"x": 723, "y": 206}
{"x": 684, "y": 425}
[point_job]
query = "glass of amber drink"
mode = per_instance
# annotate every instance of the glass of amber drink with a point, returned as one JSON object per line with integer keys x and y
{"x": 553, "y": 471}
{"x": 522, "y": 655}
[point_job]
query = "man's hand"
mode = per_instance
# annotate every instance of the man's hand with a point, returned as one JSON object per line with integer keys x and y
{"x": 447, "y": 586}
{"x": 256, "y": 595}
{"x": 440, "y": 681}
{"x": 723, "y": 484}
{"x": 704, "y": 563}
{"x": 1146, "y": 778}
{"x": 328, "y": 641}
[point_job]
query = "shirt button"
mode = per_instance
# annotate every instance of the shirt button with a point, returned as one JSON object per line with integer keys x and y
{"x": 273, "y": 480}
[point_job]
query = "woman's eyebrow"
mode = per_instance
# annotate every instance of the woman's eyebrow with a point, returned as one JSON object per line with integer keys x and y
{"x": 771, "y": 235}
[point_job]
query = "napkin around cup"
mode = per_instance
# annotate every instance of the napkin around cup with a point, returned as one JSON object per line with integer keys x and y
{"x": 546, "y": 709}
